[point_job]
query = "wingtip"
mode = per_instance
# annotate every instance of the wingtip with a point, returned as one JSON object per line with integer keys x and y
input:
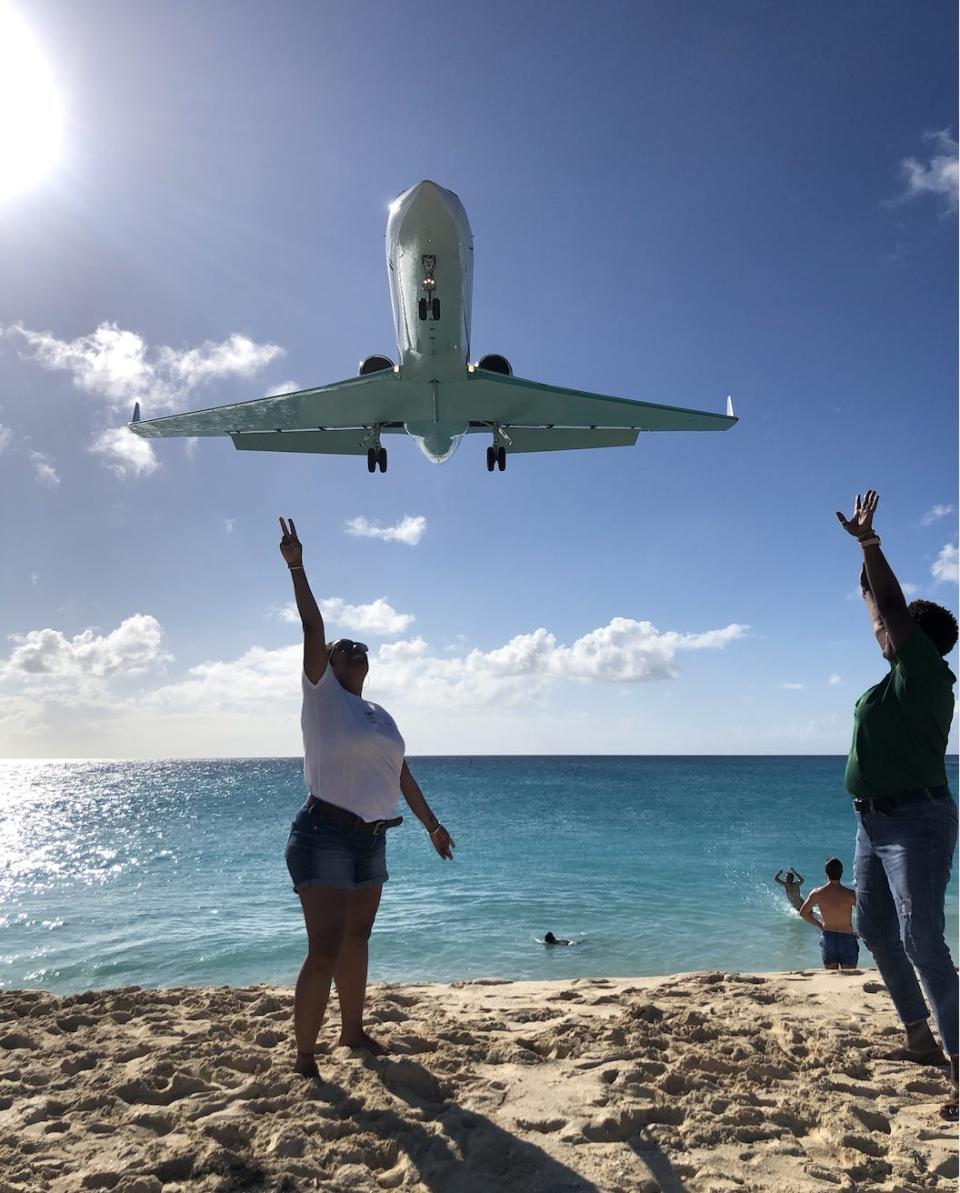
{"x": 136, "y": 413}
{"x": 730, "y": 413}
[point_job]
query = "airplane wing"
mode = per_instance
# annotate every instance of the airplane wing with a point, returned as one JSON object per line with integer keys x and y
{"x": 514, "y": 403}
{"x": 561, "y": 439}
{"x": 358, "y": 402}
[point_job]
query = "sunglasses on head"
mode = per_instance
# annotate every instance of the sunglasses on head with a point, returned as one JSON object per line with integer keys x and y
{"x": 345, "y": 646}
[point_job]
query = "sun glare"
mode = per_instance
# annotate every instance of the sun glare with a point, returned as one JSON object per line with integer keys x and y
{"x": 30, "y": 121}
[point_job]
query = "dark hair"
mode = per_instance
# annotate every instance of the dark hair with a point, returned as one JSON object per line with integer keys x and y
{"x": 937, "y": 623}
{"x": 834, "y": 869}
{"x": 549, "y": 938}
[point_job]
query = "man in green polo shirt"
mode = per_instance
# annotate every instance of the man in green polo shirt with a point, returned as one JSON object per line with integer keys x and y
{"x": 907, "y": 819}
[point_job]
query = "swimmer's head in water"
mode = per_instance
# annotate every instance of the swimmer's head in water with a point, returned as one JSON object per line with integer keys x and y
{"x": 834, "y": 869}
{"x": 549, "y": 938}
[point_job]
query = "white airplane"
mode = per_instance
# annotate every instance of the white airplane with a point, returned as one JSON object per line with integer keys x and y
{"x": 433, "y": 393}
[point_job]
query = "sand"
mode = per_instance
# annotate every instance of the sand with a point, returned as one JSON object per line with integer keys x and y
{"x": 700, "y": 1082}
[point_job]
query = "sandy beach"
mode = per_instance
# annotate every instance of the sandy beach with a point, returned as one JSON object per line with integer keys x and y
{"x": 704, "y": 1082}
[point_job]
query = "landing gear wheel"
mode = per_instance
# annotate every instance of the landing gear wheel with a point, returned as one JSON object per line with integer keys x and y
{"x": 435, "y": 308}
{"x": 382, "y": 459}
{"x": 491, "y": 459}
{"x": 371, "y": 459}
{"x": 422, "y": 309}
{"x": 502, "y": 458}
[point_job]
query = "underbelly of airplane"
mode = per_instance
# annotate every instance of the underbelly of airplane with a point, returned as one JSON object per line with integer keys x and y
{"x": 437, "y": 440}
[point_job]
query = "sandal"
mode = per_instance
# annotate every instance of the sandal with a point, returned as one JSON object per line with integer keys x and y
{"x": 949, "y": 1111}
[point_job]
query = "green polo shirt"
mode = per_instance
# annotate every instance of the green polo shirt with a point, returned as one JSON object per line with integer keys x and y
{"x": 900, "y": 725}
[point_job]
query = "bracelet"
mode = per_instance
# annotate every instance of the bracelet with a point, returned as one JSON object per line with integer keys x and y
{"x": 872, "y": 540}
{"x": 295, "y": 567}
{"x": 435, "y": 829}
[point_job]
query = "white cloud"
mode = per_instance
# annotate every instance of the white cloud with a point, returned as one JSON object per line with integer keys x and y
{"x": 937, "y": 176}
{"x": 518, "y": 673}
{"x": 908, "y": 589}
{"x": 283, "y": 387}
{"x": 378, "y": 617}
{"x": 935, "y": 513}
{"x": 834, "y": 680}
{"x": 408, "y": 530}
{"x": 118, "y": 367}
{"x": 124, "y": 453}
{"x": 44, "y": 470}
{"x": 190, "y": 446}
{"x": 132, "y": 648}
{"x": 793, "y": 687}
{"x": 228, "y": 524}
{"x": 6, "y": 437}
{"x": 945, "y": 569}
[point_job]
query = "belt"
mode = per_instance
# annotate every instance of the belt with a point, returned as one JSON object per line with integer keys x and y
{"x": 886, "y": 803}
{"x": 348, "y": 820}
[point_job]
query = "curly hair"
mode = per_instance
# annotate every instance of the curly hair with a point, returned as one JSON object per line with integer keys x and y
{"x": 937, "y": 623}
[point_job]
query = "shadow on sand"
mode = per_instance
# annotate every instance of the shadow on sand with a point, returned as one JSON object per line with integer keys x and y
{"x": 454, "y": 1150}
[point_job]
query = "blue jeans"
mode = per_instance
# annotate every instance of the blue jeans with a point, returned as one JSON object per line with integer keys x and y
{"x": 902, "y": 866}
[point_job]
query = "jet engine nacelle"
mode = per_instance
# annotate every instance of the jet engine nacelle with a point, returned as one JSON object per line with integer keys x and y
{"x": 375, "y": 364}
{"x": 495, "y": 364}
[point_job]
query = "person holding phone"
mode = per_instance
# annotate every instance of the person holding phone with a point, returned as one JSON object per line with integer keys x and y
{"x": 353, "y": 769}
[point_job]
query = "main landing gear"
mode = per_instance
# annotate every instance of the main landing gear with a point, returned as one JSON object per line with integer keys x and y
{"x": 497, "y": 457}
{"x": 376, "y": 458}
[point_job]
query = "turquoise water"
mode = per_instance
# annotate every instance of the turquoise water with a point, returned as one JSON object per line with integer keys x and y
{"x": 167, "y": 873}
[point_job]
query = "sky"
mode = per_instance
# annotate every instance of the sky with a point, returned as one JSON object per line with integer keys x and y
{"x": 670, "y": 202}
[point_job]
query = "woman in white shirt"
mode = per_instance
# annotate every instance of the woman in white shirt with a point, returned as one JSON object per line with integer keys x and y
{"x": 353, "y": 768}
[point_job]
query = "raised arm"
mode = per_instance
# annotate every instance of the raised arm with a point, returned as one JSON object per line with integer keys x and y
{"x": 314, "y": 641}
{"x": 882, "y": 594}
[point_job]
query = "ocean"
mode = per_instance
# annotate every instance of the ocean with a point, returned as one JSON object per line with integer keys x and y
{"x": 171, "y": 873}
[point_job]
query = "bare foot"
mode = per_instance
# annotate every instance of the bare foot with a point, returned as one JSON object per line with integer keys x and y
{"x": 362, "y": 1040}
{"x": 306, "y": 1065}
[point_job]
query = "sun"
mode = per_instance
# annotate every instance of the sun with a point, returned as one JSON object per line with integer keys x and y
{"x": 30, "y": 119}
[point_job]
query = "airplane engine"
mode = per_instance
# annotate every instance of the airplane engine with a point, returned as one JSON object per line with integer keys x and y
{"x": 375, "y": 364}
{"x": 495, "y": 364}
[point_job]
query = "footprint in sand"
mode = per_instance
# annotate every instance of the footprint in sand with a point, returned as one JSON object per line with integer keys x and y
{"x": 78, "y": 1064}
{"x": 860, "y": 1143}
{"x": 159, "y": 1124}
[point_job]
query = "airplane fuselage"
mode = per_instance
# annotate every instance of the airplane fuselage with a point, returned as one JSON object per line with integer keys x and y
{"x": 430, "y": 268}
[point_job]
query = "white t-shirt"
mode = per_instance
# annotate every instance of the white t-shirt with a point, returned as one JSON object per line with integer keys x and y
{"x": 352, "y": 749}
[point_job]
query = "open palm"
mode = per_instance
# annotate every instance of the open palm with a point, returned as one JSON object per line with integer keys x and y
{"x": 860, "y": 522}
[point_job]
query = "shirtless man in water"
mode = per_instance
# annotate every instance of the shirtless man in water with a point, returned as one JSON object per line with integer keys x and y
{"x": 835, "y": 902}
{"x": 791, "y": 883}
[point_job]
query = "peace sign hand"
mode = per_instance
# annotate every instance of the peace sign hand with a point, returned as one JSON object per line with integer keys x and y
{"x": 860, "y": 524}
{"x": 290, "y": 546}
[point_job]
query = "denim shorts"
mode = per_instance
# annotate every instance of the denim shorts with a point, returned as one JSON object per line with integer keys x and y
{"x": 839, "y": 948}
{"x": 321, "y": 853}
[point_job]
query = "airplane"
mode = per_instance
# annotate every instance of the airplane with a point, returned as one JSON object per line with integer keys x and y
{"x": 433, "y": 393}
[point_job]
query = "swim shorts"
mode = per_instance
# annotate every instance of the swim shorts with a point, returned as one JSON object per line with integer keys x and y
{"x": 839, "y": 948}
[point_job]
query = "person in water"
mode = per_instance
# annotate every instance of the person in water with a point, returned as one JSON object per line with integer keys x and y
{"x": 353, "y": 768}
{"x": 906, "y": 815}
{"x": 549, "y": 938}
{"x": 835, "y": 902}
{"x": 791, "y": 883}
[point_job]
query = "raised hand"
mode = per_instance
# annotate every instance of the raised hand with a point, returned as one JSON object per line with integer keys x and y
{"x": 290, "y": 546}
{"x": 860, "y": 522}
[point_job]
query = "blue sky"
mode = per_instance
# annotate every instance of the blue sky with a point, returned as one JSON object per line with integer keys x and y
{"x": 670, "y": 202}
